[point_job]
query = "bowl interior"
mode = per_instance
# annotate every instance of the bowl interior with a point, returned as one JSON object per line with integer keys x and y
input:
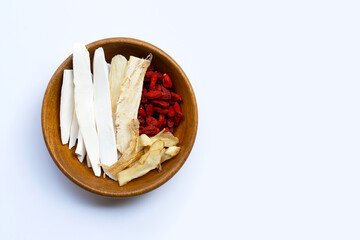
{"x": 82, "y": 175}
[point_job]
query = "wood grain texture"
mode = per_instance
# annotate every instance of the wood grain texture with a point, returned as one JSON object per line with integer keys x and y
{"x": 78, "y": 172}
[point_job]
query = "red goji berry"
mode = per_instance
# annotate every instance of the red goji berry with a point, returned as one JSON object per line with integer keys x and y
{"x": 142, "y": 112}
{"x": 144, "y": 99}
{"x": 178, "y": 118}
{"x": 171, "y": 112}
{"x": 170, "y": 122}
{"x": 157, "y": 87}
{"x": 175, "y": 97}
{"x": 151, "y": 121}
{"x": 161, "y": 103}
{"x": 161, "y": 120}
{"x": 167, "y": 129}
{"x": 148, "y": 74}
{"x": 153, "y": 94}
{"x": 166, "y": 81}
{"x": 150, "y": 110}
{"x": 150, "y": 130}
{"x": 161, "y": 110}
{"x": 177, "y": 108}
{"x": 141, "y": 120}
{"x": 153, "y": 81}
{"x": 166, "y": 93}
{"x": 165, "y": 96}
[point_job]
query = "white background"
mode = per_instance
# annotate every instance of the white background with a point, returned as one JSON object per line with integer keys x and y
{"x": 277, "y": 151}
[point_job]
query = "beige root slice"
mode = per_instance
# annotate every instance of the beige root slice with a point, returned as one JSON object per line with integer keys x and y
{"x": 167, "y": 137}
{"x": 129, "y": 100}
{"x": 170, "y": 153}
{"x": 121, "y": 165}
{"x": 130, "y": 155}
{"x": 146, "y": 163}
{"x": 144, "y": 141}
{"x": 116, "y": 78}
{"x": 162, "y": 153}
{"x": 143, "y": 152}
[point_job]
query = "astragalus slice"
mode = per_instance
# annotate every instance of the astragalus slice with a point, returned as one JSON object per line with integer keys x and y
{"x": 170, "y": 153}
{"x": 84, "y": 104}
{"x": 167, "y": 137}
{"x": 103, "y": 113}
{"x": 66, "y": 105}
{"x": 130, "y": 155}
{"x": 129, "y": 100}
{"x": 146, "y": 163}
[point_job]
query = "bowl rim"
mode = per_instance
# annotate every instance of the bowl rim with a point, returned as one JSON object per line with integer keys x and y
{"x": 147, "y": 188}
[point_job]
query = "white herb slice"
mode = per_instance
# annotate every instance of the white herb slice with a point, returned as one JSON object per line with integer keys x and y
{"x": 66, "y": 105}
{"x": 103, "y": 113}
{"x": 84, "y": 104}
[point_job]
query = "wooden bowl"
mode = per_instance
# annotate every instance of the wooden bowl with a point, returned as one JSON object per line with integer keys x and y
{"x": 78, "y": 172}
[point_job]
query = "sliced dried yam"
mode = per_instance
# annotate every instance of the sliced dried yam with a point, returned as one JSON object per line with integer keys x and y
{"x": 80, "y": 148}
{"x": 88, "y": 163}
{"x": 80, "y": 158}
{"x": 103, "y": 114}
{"x": 66, "y": 105}
{"x": 74, "y": 131}
{"x": 146, "y": 163}
{"x": 84, "y": 104}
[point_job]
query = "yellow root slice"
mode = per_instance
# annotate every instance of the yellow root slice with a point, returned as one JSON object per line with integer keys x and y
{"x": 146, "y": 163}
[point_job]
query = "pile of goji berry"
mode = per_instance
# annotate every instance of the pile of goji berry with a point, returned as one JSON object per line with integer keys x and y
{"x": 159, "y": 106}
